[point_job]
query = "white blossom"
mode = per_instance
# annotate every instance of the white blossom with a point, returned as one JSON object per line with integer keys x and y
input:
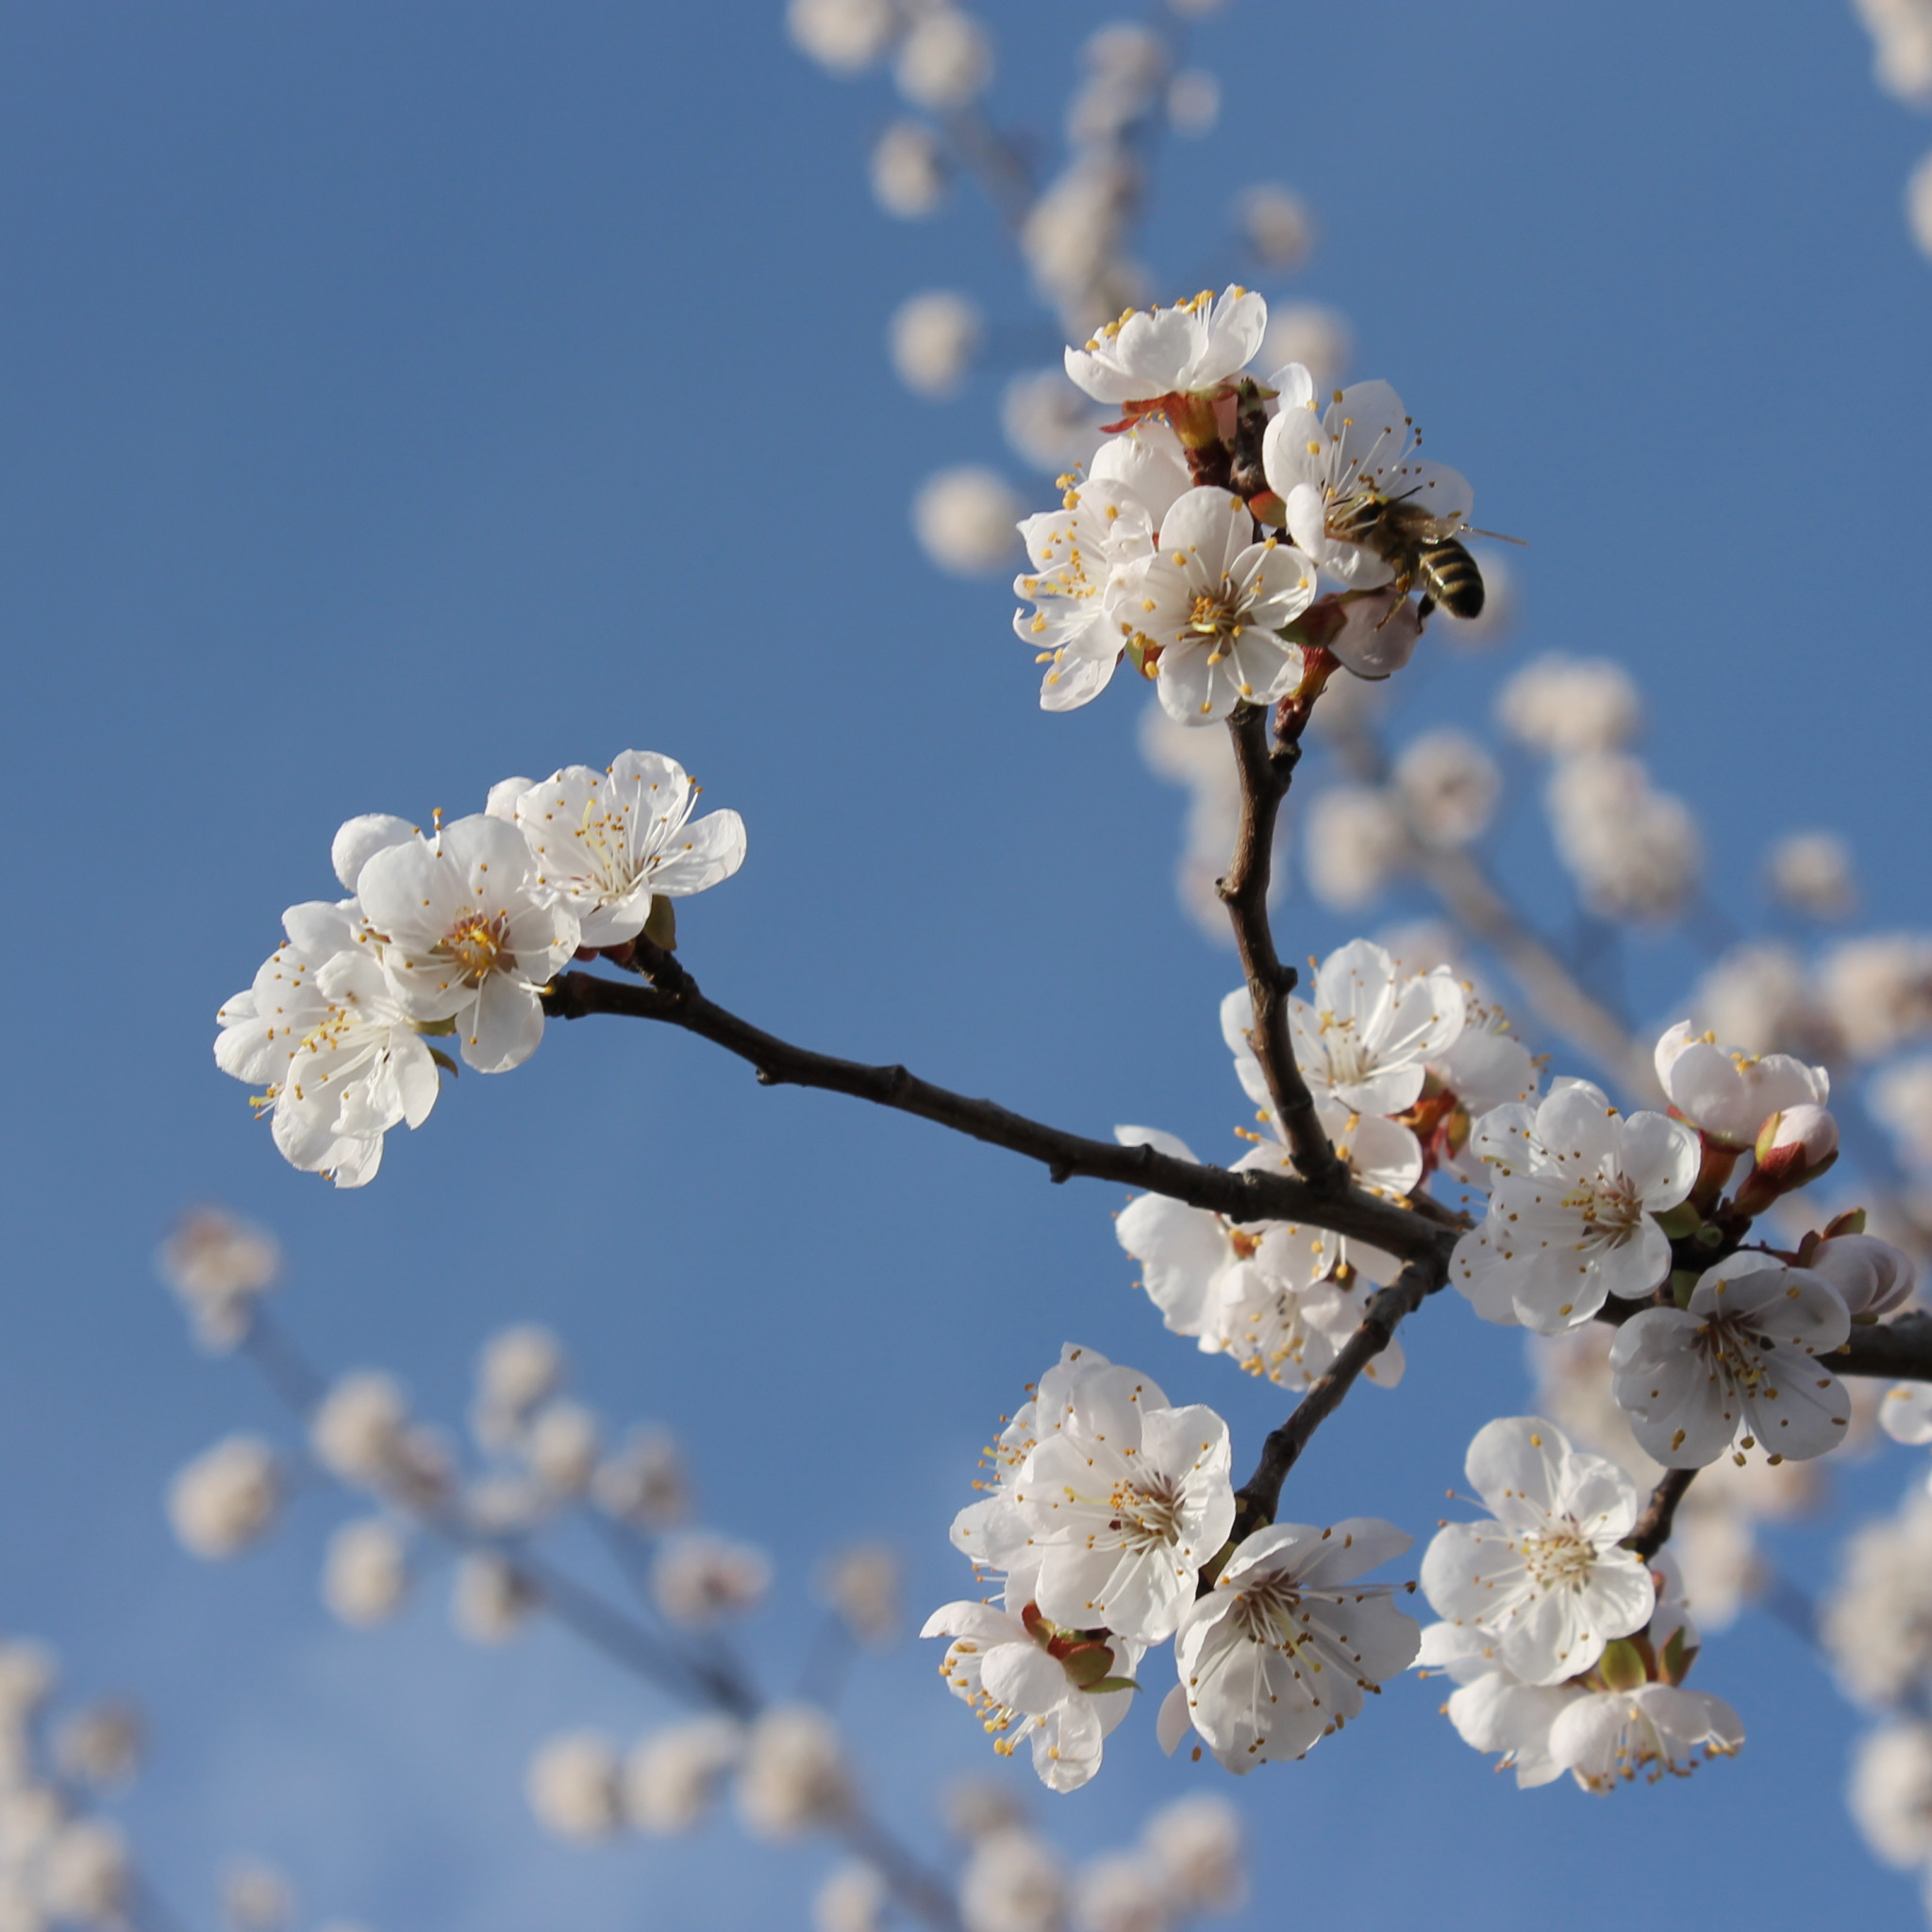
{"x": 1316, "y": 338}
{"x": 1193, "y": 102}
{"x": 1609, "y": 1735}
{"x": 561, "y": 1444}
{"x": 517, "y": 1369}
{"x": 944, "y": 60}
{"x": 853, "y": 1898}
{"x": 219, "y": 1265}
{"x": 1012, "y": 1884}
{"x": 698, "y": 1579}
{"x": 644, "y": 1483}
{"x": 1878, "y": 991}
{"x": 934, "y": 336}
{"x": 1205, "y": 609}
{"x": 1356, "y": 843}
{"x": 1194, "y": 345}
{"x": 795, "y": 1777}
{"x": 1275, "y": 225}
{"x": 1634, "y": 852}
{"x": 672, "y": 1778}
{"x": 1737, "y": 1365}
{"x": 573, "y": 1787}
{"x": 358, "y": 1429}
{"x": 1278, "y": 1654}
{"x": 609, "y": 844}
{"x": 977, "y": 1807}
{"x": 1544, "y": 1578}
{"x": 1121, "y": 1892}
{"x": 1902, "y": 51}
{"x": 1029, "y": 1680}
{"x": 1450, "y": 786}
{"x": 908, "y": 175}
{"x": 100, "y": 1745}
{"x": 225, "y": 1498}
{"x": 1889, "y": 1792}
{"x": 493, "y": 1599}
{"x": 87, "y": 1875}
{"x": 257, "y": 1898}
{"x": 1198, "y": 1844}
{"x": 1728, "y": 1092}
{"x": 965, "y": 519}
{"x": 1570, "y": 1221}
{"x": 1871, "y": 1276}
{"x": 1761, "y": 996}
{"x": 469, "y": 933}
{"x": 1876, "y": 1623}
{"x": 845, "y": 37}
{"x": 1812, "y": 871}
{"x": 1047, "y": 422}
{"x": 28, "y": 1675}
{"x": 1901, "y": 1098}
{"x": 365, "y": 1577}
{"x": 861, "y": 1584}
{"x": 1563, "y": 706}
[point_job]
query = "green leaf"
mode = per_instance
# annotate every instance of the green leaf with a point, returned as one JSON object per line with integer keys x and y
{"x": 443, "y": 1061}
{"x": 661, "y": 929}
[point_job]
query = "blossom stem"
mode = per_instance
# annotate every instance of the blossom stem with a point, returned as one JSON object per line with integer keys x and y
{"x": 674, "y": 999}
{"x": 1265, "y": 773}
{"x": 1653, "y": 1529}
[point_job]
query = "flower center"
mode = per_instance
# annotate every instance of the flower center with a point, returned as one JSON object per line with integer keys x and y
{"x": 477, "y": 944}
{"x": 1146, "y": 1517}
{"x": 1611, "y": 1210}
{"x": 1220, "y": 616}
{"x": 1558, "y": 1559}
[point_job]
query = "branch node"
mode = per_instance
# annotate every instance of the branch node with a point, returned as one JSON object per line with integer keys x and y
{"x": 1059, "y": 1173}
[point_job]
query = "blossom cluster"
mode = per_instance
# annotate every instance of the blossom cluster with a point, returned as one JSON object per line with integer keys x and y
{"x": 455, "y": 936}
{"x": 1196, "y": 540}
{"x": 1399, "y": 1063}
{"x": 1106, "y": 1506}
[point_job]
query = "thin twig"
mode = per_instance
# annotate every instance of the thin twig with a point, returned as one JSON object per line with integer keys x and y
{"x": 1257, "y": 1498}
{"x": 1653, "y": 1529}
{"x": 674, "y": 999}
{"x": 1265, "y": 773}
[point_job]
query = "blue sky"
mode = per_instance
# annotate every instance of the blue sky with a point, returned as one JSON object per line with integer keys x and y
{"x": 398, "y": 398}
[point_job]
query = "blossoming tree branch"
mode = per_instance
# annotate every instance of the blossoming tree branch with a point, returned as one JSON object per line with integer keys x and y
{"x": 1242, "y": 542}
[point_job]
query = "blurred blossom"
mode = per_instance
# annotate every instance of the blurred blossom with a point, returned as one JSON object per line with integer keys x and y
{"x": 1012, "y": 1884}
{"x": 944, "y": 60}
{"x": 28, "y": 1673}
{"x": 1307, "y": 333}
{"x": 853, "y": 1898}
{"x": 861, "y": 1584}
{"x": 794, "y": 1778}
{"x": 365, "y": 1574}
{"x": 909, "y": 173}
{"x": 226, "y": 1497}
{"x": 644, "y": 1483}
{"x": 1878, "y": 991}
{"x": 1901, "y": 31}
{"x": 20, "y": 1908}
{"x": 219, "y": 1265}
{"x": 1759, "y": 998}
{"x": 1047, "y": 422}
{"x": 1919, "y": 205}
{"x": 1193, "y": 102}
{"x": 1275, "y": 222}
{"x": 86, "y": 1874}
{"x": 1197, "y": 6}
{"x": 975, "y": 1807}
{"x": 1072, "y": 238}
{"x": 1450, "y": 786}
{"x": 1125, "y": 66}
{"x": 573, "y": 1787}
{"x": 934, "y": 336}
{"x": 100, "y": 1746}
{"x": 1356, "y": 845}
{"x": 504, "y": 1505}
{"x": 561, "y": 1444}
{"x": 843, "y": 36}
{"x": 257, "y": 1898}
{"x": 1559, "y": 705}
{"x": 1198, "y": 1844}
{"x": 1633, "y": 853}
{"x": 518, "y": 1367}
{"x": 698, "y": 1579}
{"x": 1891, "y": 1792}
{"x": 1121, "y": 1892}
{"x": 1201, "y": 761}
{"x": 493, "y": 1599}
{"x": 1901, "y": 1097}
{"x": 357, "y": 1431}
{"x": 967, "y": 521}
{"x": 1812, "y": 871}
{"x": 31, "y": 1818}
{"x": 1876, "y": 1624}
{"x": 1493, "y": 621}
{"x": 671, "y": 1779}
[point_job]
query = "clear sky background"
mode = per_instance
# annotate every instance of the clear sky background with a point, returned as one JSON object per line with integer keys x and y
{"x": 396, "y": 398}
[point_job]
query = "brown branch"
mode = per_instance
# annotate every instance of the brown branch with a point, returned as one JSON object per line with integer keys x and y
{"x": 1265, "y": 773}
{"x": 1257, "y": 1498}
{"x": 1247, "y": 1197}
{"x": 1653, "y": 1529}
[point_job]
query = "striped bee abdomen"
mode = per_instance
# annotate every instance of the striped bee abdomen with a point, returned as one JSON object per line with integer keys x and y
{"x": 1449, "y": 577}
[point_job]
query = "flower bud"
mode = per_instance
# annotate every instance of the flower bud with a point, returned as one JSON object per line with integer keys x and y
{"x": 1794, "y": 1147}
{"x": 1871, "y": 1276}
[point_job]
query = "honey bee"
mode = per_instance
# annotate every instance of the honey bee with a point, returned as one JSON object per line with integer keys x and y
{"x": 1418, "y": 547}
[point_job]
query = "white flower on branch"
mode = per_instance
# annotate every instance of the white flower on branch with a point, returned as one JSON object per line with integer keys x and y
{"x": 671, "y": 1779}
{"x": 561, "y": 1445}
{"x": 1193, "y": 102}
{"x": 220, "y": 1266}
{"x": 1889, "y": 1794}
{"x": 1812, "y": 873}
{"x": 609, "y": 844}
{"x": 1316, "y": 338}
{"x": 1330, "y": 467}
{"x": 1901, "y": 31}
{"x": 493, "y": 1599}
{"x": 1871, "y": 1276}
{"x": 944, "y": 60}
{"x": 518, "y": 1367}
{"x": 794, "y": 1778}
{"x": 100, "y": 1746}
{"x": 1544, "y": 1578}
{"x": 573, "y": 1787}
{"x": 933, "y": 338}
{"x": 225, "y": 1498}
{"x": 86, "y": 1874}
{"x": 965, "y": 519}
{"x": 1728, "y": 1092}
{"x": 28, "y": 1675}
{"x": 1275, "y": 225}
{"x": 909, "y": 174}
{"x": 1876, "y": 1623}
{"x": 1563, "y": 706}
{"x": 645, "y": 1483}
{"x": 1901, "y": 1098}
{"x": 257, "y": 1898}
{"x": 1047, "y": 423}
{"x": 1737, "y": 1368}
{"x": 1012, "y": 1883}
{"x": 1612, "y": 1734}
{"x": 1204, "y": 611}
{"x": 365, "y": 1577}
{"x": 1121, "y": 1892}
{"x": 1450, "y": 784}
{"x": 862, "y": 1585}
{"x": 1059, "y": 1689}
{"x": 1571, "y": 1219}
{"x": 853, "y": 1898}
{"x": 469, "y": 933}
{"x": 1878, "y": 991}
{"x": 1198, "y": 1845}
{"x": 358, "y": 1427}
{"x": 1279, "y": 1653}
{"x": 1194, "y": 346}
{"x": 1634, "y": 852}
{"x": 1356, "y": 846}
{"x": 698, "y": 1579}
{"x": 845, "y": 37}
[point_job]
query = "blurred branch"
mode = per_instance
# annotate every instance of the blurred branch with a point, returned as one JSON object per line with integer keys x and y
{"x": 1257, "y": 1498}
{"x": 1653, "y": 1530}
{"x": 674, "y": 1000}
{"x": 1265, "y": 773}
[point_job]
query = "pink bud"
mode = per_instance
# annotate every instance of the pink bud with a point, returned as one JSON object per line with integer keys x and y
{"x": 1794, "y": 1147}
